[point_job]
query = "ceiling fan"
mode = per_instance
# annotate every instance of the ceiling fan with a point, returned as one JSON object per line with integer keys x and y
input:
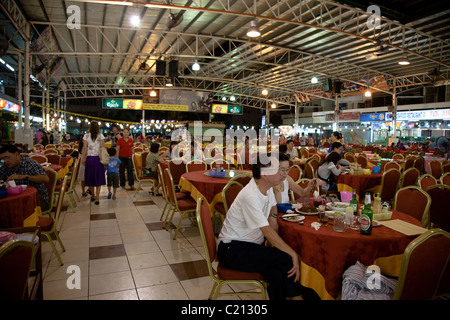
{"x": 379, "y": 51}
{"x": 173, "y": 20}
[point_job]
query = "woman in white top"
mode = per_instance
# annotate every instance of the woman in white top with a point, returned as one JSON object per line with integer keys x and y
{"x": 282, "y": 190}
{"x": 94, "y": 174}
{"x": 327, "y": 169}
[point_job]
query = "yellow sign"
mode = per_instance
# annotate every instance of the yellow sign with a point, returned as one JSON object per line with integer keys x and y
{"x": 165, "y": 107}
{"x": 219, "y": 108}
{"x": 134, "y": 104}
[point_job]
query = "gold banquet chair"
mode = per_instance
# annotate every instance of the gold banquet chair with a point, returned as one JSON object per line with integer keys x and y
{"x": 185, "y": 206}
{"x": 140, "y": 178}
{"x": 224, "y": 276}
{"x": 414, "y": 202}
{"x": 49, "y": 225}
{"x": 423, "y": 265}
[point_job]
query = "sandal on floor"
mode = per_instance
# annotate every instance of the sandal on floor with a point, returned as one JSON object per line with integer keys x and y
{"x": 92, "y": 198}
{"x": 84, "y": 195}
{"x": 97, "y": 202}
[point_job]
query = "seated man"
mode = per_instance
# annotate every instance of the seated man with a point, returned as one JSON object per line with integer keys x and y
{"x": 24, "y": 171}
{"x": 291, "y": 151}
{"x": 251, "y": 219}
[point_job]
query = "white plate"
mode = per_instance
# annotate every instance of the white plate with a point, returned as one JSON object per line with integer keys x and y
{"x": 293, "y": 217}
{"x": 330, "y": 214}
{"x": 332, "y": 206}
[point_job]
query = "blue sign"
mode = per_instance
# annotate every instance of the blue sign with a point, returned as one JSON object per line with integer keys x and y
{"x": 372, "y": 117}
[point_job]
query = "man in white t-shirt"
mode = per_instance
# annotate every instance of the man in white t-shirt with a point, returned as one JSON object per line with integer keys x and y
{"x": 251, "y": 219}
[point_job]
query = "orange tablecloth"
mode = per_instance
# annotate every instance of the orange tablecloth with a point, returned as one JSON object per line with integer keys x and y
{"x": 21, "y": 210}
{"x": 326, "y": 254}
{"x": 360, "y": 182}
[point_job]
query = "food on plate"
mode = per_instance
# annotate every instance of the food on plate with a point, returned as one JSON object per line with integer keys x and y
{"x": 308, "y": 209}
{"x": 293, "y": 218}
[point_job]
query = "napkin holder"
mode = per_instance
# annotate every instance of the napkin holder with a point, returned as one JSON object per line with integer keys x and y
{"x": 15, "y": 190}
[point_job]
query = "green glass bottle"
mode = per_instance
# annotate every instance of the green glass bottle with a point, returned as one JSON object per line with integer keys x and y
{"x": 354, "y": 203}
{"x": 366, "y": 217}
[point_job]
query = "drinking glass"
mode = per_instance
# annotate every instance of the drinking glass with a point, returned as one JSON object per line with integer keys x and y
{"x": 323, "y": 217}
{"x": 339, "y": 224}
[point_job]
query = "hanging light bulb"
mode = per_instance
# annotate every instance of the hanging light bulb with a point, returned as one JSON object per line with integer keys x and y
{"x": 273, "y": 106}
{"x": 195, "y": 66}
{"x": 314, "y": 79}
{"x": 232, "y": 98}
{"x": 404, "y": 61}
{"x": 264, "y": 92}
{"x": 153, "y": 93}
{"x": 253, "y": 30}
{"x": 367, "y": 93}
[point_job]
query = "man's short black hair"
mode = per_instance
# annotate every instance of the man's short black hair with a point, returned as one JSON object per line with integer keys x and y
{"x": 289, "y": 141}
{"x": 9, "y": 148}
{"x": 154, "y": 147}
{"x": 256, "y": 167}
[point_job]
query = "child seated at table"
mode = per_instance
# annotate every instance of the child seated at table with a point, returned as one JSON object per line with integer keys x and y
{"x": 112, "y": 173}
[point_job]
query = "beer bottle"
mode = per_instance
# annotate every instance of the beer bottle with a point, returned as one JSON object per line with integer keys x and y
{"x": 366, "y": 217}
{"x": 354, "y": 203}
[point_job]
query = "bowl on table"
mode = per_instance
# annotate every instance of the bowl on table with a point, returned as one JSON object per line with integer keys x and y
{"x": 283, "y": 207}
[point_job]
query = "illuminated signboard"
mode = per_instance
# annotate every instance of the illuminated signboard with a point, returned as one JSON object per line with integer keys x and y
{"x": 226, "y": 109}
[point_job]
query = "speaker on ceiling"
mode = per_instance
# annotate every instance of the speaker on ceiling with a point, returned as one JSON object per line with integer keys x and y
{"x": 337, "y": 87}
{"x": 327, "y": 85}
{"x": 160, "y": 68}
{"x": 173, "y": 68}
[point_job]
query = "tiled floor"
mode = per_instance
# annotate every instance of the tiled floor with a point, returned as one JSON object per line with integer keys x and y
{"x": 123, "y": 253}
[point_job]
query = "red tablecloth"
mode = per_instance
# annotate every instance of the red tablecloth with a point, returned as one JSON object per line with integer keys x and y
{"x": 206, "y": 185}
{"x": 360, "y": 182}
{"x": 15, "y": 209}
{"x": 330, "y": 253}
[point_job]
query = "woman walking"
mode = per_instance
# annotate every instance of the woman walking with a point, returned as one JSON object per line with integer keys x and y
{"x": 94, "y": 174}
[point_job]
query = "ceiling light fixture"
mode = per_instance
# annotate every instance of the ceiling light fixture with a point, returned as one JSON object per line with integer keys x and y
{"x": 367, "y": 93}
{"x": 253, "y": 30}
{"x": 169, "y": 83}
{"x": 264, "y": 92}
{"x": 195, "y": 66}
{"x": 135, "y": 21}
{"x": 232, "y": 98}
{"x": 153, "y": 93}
{"x": 314, "y": 79}
{"x": 273, "y": 106}
{"x": 404, "y": 61}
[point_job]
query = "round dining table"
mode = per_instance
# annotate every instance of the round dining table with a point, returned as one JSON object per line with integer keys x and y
{"x": 20, "y": 210}
{"x": 199, "y": 184}
{"x": 325, "y": 254}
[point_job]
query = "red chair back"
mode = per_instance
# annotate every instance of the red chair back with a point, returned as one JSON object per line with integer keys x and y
{"x": 176, "y": 170}
{"x": 50, "y": 151}
{"x": 295, "y": 172}
{"x": 362, "y": 161}
{"x": 389, "y": 184}
{"x": 435, "y": 168}
{"x": 409, "y": 163}
{"x": 51, "y": 186}
{"x": 54, "y": 158}
{"x": 230, "y": 192}
{"x": 192, "y": 166}
{"x": 445, "y": 179}
{"x": 410, "y": 177}
{"x": 424, "y": 263}
{"x": 170, "y": 189}
{"x": 445, "y": 168}
{"x": 426, "y": 181}
{"x": 242, "y": 178}
{"x": 418, "y": 164}
{"x": 206, "y": 225}
{"x": 439, "y": 213}
{"x": 39, "y": 158}
{"x": 15, "y": 262}
{"x": 414, "y": 202}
